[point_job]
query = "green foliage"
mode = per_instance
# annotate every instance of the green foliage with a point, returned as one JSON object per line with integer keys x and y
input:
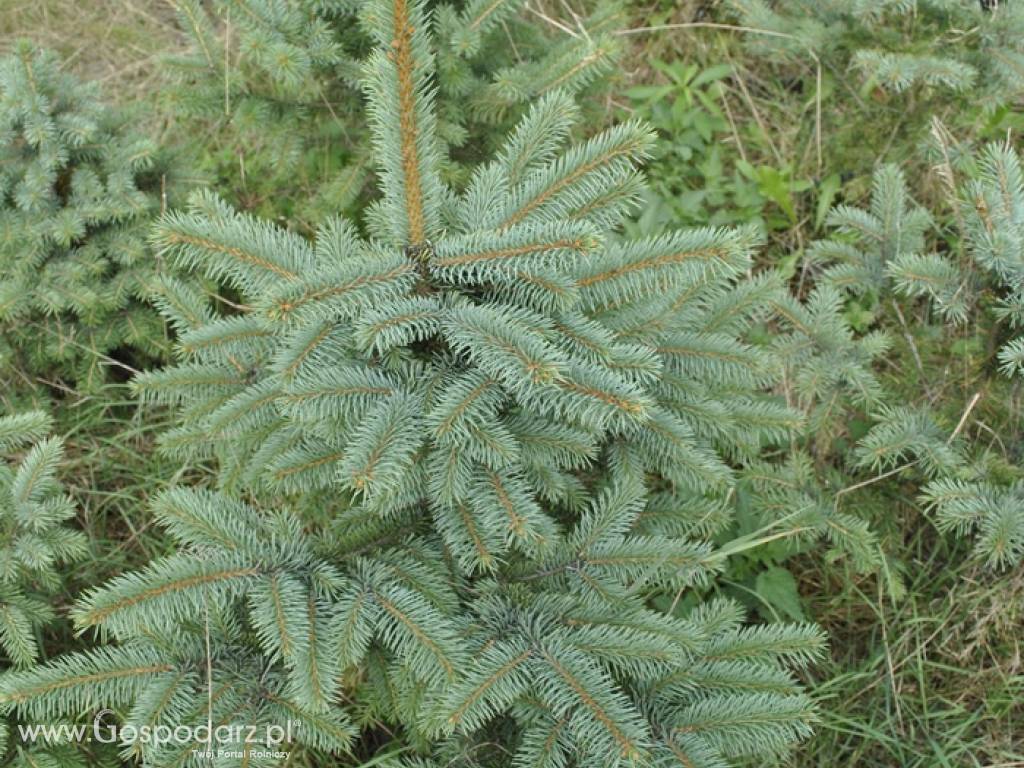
{"x": 828, "y": 365}
{"x": 887, "y": 243}
{"x": 496, "y": 59}
{"x": 487, "y": 438}
{"x": 994, "y": 512}
{"x": 77, "y": 191}
{"x": 269, "y": 88}
{"x": 993, "y": 211}
{"x": 827, "y": 75}
{"x": 491, "y": 450}
{"x": 34, "y": 540}
{"x": 693, "y": 178}
{"x": 882, "y": 252}
{"x": 171, "y": 614}
{"x": 899, "y": 45}
{"x": 794, "y": 490}
{"x": 275, "y": 611}
{"x": 35, "y": 543}
{"x": 870, "y": 243}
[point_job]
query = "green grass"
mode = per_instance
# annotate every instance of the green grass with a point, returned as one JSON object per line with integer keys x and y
{"x": 934, "y": 678}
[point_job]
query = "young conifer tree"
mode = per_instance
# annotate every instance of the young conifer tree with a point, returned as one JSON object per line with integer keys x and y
{"x": 991, "y": 511}
{"x": 898, "y": 45}
{"x": 78, "y": 191}
{"x": 883, "y": 252}
{"x": 983, "y": 499}
{"x": 487, "y": 445}
{"x": 34, "y": 543}
{"x": 993, "y": 212}
{"x": 829, "y": 365}
{"x": 883, "y": 249}
{"x": 827, "y": 375}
